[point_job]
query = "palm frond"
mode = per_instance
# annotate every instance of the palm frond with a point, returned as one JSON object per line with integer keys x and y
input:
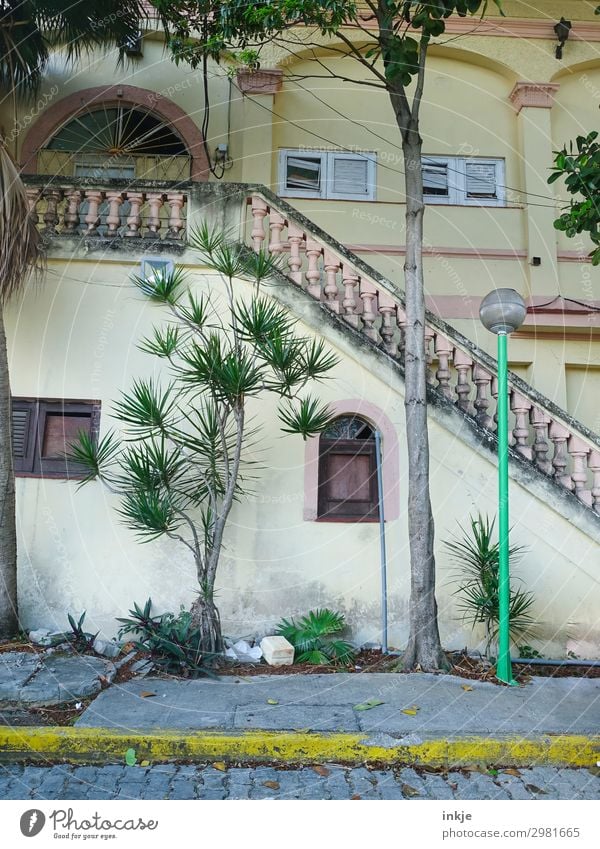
{"x": 20, "y": 241}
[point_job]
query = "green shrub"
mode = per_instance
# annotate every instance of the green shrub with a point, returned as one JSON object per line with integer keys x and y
{"x": 173, "y": 641}
{"x": 311, "y": 637}
{"x": 477, "y": 559}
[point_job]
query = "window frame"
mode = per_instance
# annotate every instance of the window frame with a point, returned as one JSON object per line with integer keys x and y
{"x": 34, "y": 464}
{"x": 353, "y": 448}
{"x": 457, "y": 180}
{"x": 327, "y": 158}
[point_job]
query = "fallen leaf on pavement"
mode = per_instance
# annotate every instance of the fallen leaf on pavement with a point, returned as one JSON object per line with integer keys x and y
{"x": 514, "y": 772}
{"x": 534, "y": 789}
{"x": 371, "y": 703}
{"x": 356, "y": 796}
{"x": 272, "y": 785}
{"x": 272, "y": 702}
{"x": 130, "y": 757}
{"x": 322, "y": 770}
{"x": 145, "y": 763}
{"x": 146, "y": 694}
{"x": 466, "y": 688}
{"x": 411, "y": 711}
{"x": 220, "y": 765}
{"x": 407, "y": 790}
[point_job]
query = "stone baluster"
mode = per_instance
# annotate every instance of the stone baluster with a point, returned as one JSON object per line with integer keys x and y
{"x": 594, "y": 466}
{"x": 540, "y": 421}
{"x": 579, "y": 451}
{"x": 521, "y": 407}
{"x": 559, "y": 435}
{"x": 92, "y": 219}
{"x": 387, "y": 308}
{"x": 443, "y": 349}
{"x": 113, "y": 219}
{"x": 368, "y": 295}
{"x": 155, "y": 202}
{"x": 134, "y": 219}
{"x": 72, "y": 212}
{"x": 401, "y": 322}
{"x": 33, "y": 197}
{"x": 429, "y": 335}
{"x": 53, "y": 198}
{"x": 313, "y": 272}
{"x": 176, "y": 201}
{"x": 331, "y": 292}
{"x": 277, "y": 223}
{"x": 482, "y": 380}
{"x": 463, "y": 365}
{"x": 349, "y": 303}
{"x": 295, "y": 238}
{"x": 259, "y": 211}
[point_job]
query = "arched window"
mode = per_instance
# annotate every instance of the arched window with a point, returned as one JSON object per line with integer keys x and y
{"x": 347, "y": 488}
{"x": 121, "y": 140}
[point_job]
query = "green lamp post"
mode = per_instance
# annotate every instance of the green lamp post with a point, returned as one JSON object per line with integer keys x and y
{"x": 502, "y": 312}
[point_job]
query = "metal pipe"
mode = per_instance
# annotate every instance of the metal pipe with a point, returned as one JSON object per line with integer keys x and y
{"x": 382, "y": 549}
{"x": 539, "y": 661}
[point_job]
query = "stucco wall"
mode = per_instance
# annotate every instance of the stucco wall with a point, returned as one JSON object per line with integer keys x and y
{"x": 75, "y": 337}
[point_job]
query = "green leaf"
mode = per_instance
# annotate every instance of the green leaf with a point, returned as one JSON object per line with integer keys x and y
{"x": 308, "y": 418}
{"x": 130, "y": 758}
{"x": 368, "y": 705}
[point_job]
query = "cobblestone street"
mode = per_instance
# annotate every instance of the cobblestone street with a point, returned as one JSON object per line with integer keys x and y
{"x": 170, "y": 781}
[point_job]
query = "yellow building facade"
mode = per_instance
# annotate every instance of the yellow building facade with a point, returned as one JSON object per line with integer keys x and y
{"x": 118, "y": 168}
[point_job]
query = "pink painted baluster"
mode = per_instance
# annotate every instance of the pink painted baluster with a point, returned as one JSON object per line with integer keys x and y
{"x": 401, "y": 322}
{"x": 559, "y": 436}
{"x": 540, "y": 421}
{"x": 368, "y": 295}
{"x": 579, "y": 452}
{"x": 387, "y": 308}
{"x": 134, "y": 219}
{"x": 521, "y": 407}
{"x": 295, "y": 238}
{"x": 429, "y": 335}
{"x": 259, "y": 210}
{"x": 443, "y": 349}
{"x": 72, "y": 213}
{"x": 113, "y": 219}
{"x": 349, "y": 303}
{"x": 155, "y": 202}
{"x": 53, "y": 198}
{"x": 331, "y": 265}
{"x": 482, "y": 380}
{"x": 176, "y": 201}
{"x": 92, "y": 219}
{"x": 463, "y": 365}
{"x": 594, "y": 466}
{"x": 33, "y": 197}
{"x": 277, "y": 223}
{"x": 313, "y": 272}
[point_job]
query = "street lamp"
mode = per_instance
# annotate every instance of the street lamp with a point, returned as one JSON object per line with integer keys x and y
{"x": 502, "y": 312}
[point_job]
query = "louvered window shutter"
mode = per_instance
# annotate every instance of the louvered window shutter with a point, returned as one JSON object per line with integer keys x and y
{"x": 24, "y": 414}
{"x": 350, "y": 176}
{"x": 481, "y": 180}
{"x": 435, "y": 179}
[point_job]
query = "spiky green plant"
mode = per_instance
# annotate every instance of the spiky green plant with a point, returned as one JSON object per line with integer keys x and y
{"x": 182, "y": 462}
{"x": 312, "y": 637}
{"x": 477, "y": 558}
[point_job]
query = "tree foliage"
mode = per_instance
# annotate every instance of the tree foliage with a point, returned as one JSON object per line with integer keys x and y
{"x": 580, "y": 168}
{"x": 181, "y": 462}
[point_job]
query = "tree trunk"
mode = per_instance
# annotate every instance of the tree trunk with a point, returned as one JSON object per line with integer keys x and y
{"x": 205, "y": 616}
{"x": 8, "y": 536}
{"x": 424, "y": 648}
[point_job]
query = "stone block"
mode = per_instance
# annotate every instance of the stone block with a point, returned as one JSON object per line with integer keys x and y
{"x": 277, "y": 651}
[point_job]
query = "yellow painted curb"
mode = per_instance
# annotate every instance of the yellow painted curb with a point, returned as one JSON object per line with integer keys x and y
{"x": 103, "y": 745}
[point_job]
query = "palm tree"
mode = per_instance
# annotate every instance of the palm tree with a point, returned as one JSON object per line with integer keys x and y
{"x": 29, "y": 31}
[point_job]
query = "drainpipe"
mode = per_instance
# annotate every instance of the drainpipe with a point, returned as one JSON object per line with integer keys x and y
{"x": 382, "y": 551}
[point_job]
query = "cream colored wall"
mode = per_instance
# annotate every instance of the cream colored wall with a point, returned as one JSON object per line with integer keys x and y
{"x": 76, "y": 336}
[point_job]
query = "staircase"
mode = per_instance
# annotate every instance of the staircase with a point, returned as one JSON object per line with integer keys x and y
{"x": 546, "y": 438}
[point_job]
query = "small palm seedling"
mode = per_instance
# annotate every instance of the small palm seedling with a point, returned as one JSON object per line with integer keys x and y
{"x": 477, "y": 559}
{"x": 313, "y": 640}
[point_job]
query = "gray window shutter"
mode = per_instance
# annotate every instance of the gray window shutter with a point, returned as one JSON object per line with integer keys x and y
{"x": 435, "y": 179}
{"x": 350, "y": 176}
{"x": 481, "y": 179}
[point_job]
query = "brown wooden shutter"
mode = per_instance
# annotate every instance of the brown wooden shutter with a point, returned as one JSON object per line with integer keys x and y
{"x": 24, "y": 418}
{"x": 59, "y": 425}
{"x": 348, "y": 479}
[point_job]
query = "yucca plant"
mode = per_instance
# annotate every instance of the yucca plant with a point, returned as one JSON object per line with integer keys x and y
{"x": 477, "y": 558}
{"x": 182, "y": 462}
{"x": 312, "y": 637}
